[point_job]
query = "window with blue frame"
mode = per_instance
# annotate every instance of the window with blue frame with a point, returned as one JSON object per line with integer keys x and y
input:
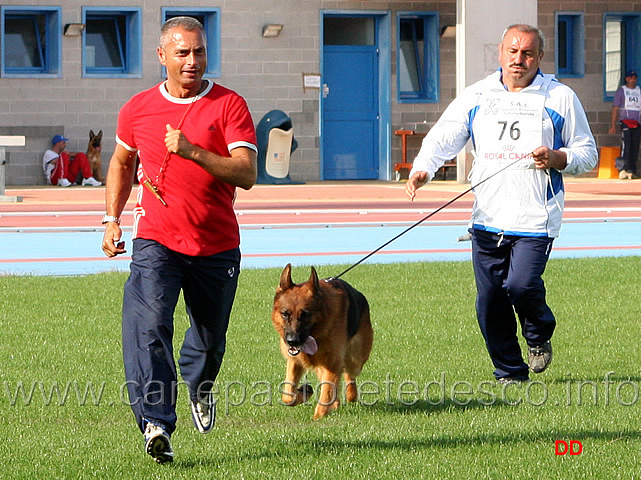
{"x": 210, "y": 18}
{"x": 112, "y": 42}
{"x": 621, "y": 50}
{"x": 570, "y": 51}
{"x": 30, "y": 41}
{"x": 418, "y": 57}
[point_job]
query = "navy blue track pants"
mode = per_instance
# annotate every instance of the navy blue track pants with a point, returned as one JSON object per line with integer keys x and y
{"x": 508, "y": 271}
{"x": 630, "y": 138}
{"x": 157, "y": 277}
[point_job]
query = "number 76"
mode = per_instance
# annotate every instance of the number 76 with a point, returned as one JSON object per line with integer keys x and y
{"x": 515, "y": 132}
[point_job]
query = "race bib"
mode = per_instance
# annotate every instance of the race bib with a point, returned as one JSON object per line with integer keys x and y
{"x": 510, "y": 127}
{"x": 632, "y": 98}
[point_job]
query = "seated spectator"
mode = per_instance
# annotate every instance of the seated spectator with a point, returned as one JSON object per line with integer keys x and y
{"x": 63, "y": 168}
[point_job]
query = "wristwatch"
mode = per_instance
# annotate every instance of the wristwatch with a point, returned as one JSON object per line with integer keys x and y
{"x": 110, "y": 218}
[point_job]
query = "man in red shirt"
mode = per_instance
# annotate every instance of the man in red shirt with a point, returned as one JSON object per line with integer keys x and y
{"x": 196, "y": 143}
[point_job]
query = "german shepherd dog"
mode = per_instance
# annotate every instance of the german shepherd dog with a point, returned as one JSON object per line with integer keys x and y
{"x": 93, "y": 154}
{"x": 323, "y": 325}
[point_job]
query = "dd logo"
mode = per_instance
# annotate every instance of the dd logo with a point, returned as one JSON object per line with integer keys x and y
{"x": 561, "y": 447}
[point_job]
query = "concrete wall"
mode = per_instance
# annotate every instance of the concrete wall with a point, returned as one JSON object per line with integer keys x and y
{"x": 266, "y": 71}
{"x": 477, "y": 48}
{"x": 590, "y": 87}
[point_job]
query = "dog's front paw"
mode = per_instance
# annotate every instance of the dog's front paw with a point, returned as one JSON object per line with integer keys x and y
{"x": 322, "y": 410}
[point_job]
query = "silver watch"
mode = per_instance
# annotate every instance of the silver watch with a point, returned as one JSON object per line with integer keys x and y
{"x": 110, "y": 218}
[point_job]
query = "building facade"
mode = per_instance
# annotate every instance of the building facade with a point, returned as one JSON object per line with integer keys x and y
{"x": 349, "y": 74}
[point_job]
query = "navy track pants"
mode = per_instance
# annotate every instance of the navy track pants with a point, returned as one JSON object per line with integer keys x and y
{"x": 508, "y": 271}
{"x": 157, "y": 277}
{"x": 630, "y": 138}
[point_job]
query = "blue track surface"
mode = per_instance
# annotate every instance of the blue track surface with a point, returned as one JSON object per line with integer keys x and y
{"x": 78, "y": 253}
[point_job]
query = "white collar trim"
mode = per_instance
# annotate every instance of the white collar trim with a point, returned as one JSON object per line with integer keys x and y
{"x": 171, "y": 98}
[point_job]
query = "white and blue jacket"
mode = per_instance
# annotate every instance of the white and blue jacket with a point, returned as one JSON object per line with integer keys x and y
{"x": 504, "y": 128}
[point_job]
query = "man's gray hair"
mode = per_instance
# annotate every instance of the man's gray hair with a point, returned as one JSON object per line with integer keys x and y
{"x": 525, "y": 28}
{"x": 188, "y": 23}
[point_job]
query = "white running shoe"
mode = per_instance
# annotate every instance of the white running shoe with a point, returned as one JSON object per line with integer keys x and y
{"x": 157, "y": 443}
{"x": 91, "y": 182}
{"x": 63, "y": 182}
{"x": 203, "y": 413}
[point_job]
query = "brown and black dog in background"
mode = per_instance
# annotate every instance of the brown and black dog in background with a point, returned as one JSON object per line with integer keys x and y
{"x": 93, "y": 154}
{"x": 323, "y": 325}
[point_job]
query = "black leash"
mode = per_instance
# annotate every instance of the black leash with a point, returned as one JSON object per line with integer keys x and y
{"x": 445, "y": 205}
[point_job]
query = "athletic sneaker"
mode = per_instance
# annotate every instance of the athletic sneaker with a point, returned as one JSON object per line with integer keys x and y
{"x": 91, "y": 182}
{"x": 539, "y": 358}
{"x": 63, "y": 182}
{"x": 512, "y": 380}
{"x": 157, "y": 443}
{"x": 203, "y": 412}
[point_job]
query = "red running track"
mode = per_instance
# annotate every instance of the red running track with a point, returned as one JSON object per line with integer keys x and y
{"x": 319, "y": 203}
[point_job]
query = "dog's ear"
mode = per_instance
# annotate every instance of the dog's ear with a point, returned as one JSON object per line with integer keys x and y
{"x": 286, "y": 278}
{"x": 91, "y": 134}
{"x": 313, "y": 279}
{"x": 100, "y": 134}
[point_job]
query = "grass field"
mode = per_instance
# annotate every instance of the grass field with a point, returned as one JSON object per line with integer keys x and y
{"x": 429, "y": 408}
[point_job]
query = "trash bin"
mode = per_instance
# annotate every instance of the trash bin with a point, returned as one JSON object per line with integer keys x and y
{"x": 276, "y": 142}
{"x": 607, "y": 162}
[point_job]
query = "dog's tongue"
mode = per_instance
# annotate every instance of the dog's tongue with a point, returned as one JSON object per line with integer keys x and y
{"x": 310, "y": 347}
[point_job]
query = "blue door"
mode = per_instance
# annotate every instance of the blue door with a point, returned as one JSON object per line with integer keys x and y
{"x": 350, "y": 120}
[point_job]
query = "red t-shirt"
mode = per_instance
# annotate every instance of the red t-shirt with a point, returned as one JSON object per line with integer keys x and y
{"x": 199, "y": 218}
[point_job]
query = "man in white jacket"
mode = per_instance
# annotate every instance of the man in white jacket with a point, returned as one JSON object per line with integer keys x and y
{"x": 526, "y": 130}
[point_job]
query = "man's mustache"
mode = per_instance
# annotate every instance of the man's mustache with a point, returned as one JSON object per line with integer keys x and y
{"x": 520, "y": 65}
